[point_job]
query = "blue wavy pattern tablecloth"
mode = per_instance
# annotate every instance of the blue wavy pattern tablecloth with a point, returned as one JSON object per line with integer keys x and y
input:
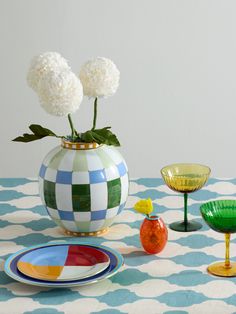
{"x": 172, "y": 282}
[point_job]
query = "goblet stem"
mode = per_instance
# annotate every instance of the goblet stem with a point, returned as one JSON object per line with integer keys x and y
{"x": 227, "y": 242}
{"x": 185, "y": 210}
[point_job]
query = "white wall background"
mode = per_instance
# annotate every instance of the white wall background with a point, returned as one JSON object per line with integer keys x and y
{"x": 177, "y": 98}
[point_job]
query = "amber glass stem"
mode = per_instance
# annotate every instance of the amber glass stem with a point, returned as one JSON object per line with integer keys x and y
{"x": 227, "y": 242}
{"x": 185, "y": 209}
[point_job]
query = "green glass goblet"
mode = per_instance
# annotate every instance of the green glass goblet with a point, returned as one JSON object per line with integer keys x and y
{"x": 185, "y": 178}
{"x": 221, "y": 217}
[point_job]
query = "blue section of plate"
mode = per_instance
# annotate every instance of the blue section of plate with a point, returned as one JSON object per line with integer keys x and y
{"x": 57, "y": 257}
{"x": 116, "y": 261}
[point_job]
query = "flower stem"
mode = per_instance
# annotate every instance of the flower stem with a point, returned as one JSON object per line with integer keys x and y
{"x": 73, "y": 132}
{"x": 95, "y": 113}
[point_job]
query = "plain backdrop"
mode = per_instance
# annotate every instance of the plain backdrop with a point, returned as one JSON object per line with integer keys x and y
{"x": 177, "y": 96}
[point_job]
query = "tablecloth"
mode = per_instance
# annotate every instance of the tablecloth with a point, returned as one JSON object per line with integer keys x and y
{"x": 174, "y": 281}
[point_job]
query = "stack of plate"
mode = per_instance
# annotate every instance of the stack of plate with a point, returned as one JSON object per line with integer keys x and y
{"x": 63, "y": 264}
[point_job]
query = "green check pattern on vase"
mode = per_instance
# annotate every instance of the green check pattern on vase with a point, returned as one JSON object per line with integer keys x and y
{"x": 84, "y": 189}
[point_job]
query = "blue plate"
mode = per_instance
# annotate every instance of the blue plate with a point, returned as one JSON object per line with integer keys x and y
{"x": 116, "y": 261}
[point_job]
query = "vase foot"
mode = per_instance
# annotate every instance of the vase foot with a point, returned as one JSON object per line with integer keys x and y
{"x": 86, "y": 234}
{"x": 219, "y": 269}
{"x": 180, "y": 226}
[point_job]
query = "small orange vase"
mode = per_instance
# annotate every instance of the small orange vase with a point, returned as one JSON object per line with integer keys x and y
{"x": 153, "y": 234}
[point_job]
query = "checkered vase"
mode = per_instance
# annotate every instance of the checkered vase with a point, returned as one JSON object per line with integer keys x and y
{"x": 83, "y": 186}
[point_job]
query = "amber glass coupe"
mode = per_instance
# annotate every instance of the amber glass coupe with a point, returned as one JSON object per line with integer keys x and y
{"x": 185, "y": 178}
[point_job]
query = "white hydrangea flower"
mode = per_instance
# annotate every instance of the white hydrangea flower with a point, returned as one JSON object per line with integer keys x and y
{"x": 99, "y": 77}
{"x": 42, "y": 64}
{"x": 60, "y": 93}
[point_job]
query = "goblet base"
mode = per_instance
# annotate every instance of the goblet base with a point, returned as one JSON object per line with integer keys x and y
{"x": 180, "y": 226}
{"x": 219, "y": 269}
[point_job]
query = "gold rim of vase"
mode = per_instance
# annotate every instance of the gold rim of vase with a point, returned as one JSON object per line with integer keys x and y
{"x": 86, "y": 234}
{"x": 78, "y": 145}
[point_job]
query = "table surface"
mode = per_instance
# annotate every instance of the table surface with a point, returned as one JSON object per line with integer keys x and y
{"x": 174, "y": 281}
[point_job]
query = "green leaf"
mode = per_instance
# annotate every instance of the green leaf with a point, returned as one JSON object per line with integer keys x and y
{"x": 100, "y": 136}
{"x": 26, "y": 138}
{"x": 38, "y": 133}
{"x": 87, "y": 137}
{"x": 41, "y": 131}
{"x": 110, "y": 138}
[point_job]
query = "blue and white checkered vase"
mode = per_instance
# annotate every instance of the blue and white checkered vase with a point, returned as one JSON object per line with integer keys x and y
{"x": 84, "y": 186}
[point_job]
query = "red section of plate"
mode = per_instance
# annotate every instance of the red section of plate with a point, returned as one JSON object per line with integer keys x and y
{"x": 84, "y": 256}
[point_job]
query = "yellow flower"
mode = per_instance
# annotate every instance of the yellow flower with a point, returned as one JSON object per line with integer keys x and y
{"x": 144, "y": 206}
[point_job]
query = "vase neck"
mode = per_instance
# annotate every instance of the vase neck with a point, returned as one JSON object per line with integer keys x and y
{"x": 78, "y": 145}
{"x": 153, "y": 217}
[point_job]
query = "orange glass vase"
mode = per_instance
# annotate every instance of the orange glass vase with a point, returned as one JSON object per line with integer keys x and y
{"x": 153, "y": 234}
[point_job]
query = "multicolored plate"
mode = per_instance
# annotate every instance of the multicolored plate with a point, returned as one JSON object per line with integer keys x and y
{"x": 63, "y": 262}
{"x": 10, "y": 267}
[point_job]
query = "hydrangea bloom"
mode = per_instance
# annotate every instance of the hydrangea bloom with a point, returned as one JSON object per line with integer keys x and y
{"x": 42, "y": 64}
{"x": 99, "y": 77}
{"x": 60, "y": 93}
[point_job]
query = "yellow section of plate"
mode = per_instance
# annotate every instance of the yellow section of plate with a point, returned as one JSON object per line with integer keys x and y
{"x": 40, "y": 272}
